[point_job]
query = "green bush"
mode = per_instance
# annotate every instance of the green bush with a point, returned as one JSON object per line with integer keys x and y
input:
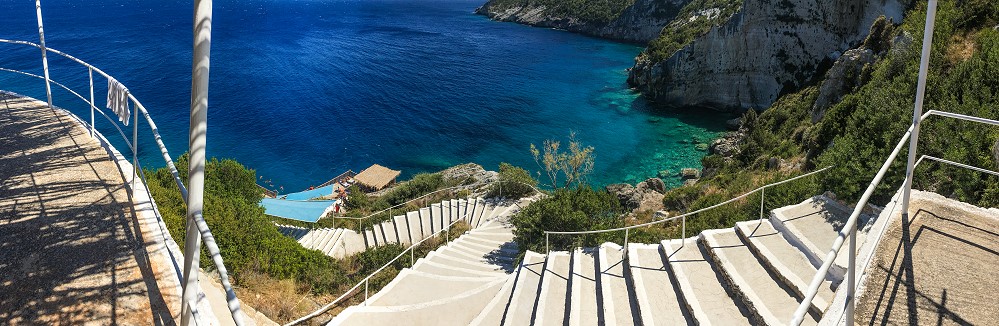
{"x": 246, "y": 238}
{"x": 579, "y": 209}
{"x": 514, "y": 182}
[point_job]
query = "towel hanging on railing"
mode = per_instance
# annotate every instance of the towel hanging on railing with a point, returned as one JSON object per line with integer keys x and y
{"x": 118, "y": 100}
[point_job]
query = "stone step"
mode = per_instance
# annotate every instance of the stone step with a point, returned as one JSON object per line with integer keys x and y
{"x": 424, "y": 314}
{"x": 415, "y": 224}
{"x": 525, "y": 292}
{"x": 415, "y": 287}
{"x": 583, "y": 305}
{"x": 488, "y": 214}
{"x": 492, "y": 314}
{"x": 369, "y": 238}
{"x": 391, "y": 231}
{"x": 455, "y": 211}
{"x": 380, "y": 239}
{"x": 445, "y": 259}
{"x": 506, "y": 249}
{"x": 334, "y": 237}
{"x": 318, "y": 237}
{"x": 352, "y": 243}
{"x": 431, "y": 267}
{"x": 426, "y": 223}
{"x": 656, "y": 294}
{"x": 761, "y": 293}
{"x": 702, "y": 289}
{"x": 785, "y": 261}
{"x": 493, "y": 236}
{"x": 813, "y": 226}
{"x": 553, "y": 298}
{"x": 618, "y": 305}
{"x": 402, "y": 228}
{"x": 437, "y": 214}
{"x": 480, "y": 208}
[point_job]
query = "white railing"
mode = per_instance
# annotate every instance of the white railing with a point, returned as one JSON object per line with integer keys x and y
{"x": 849, "y": 229}
{"x": 682, "y": 217}
{"x": 133, "y": 145}
{"x": 411, "y": 249}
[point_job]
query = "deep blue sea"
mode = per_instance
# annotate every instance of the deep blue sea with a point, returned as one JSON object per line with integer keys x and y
{"x": 303, "y": 90}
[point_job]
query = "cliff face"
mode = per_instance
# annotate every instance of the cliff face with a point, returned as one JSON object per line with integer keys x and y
{"x": 640, "y": 21}
{"x": 767, "y": 48}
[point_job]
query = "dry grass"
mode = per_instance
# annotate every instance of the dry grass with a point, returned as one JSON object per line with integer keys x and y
{"x": 280, "y": 300}
{"x": 961, "y": 48}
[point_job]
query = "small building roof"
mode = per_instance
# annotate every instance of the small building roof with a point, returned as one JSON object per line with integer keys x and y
{"x": 377, "y": 177}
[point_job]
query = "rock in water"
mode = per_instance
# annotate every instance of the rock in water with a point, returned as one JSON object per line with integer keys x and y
{"x": 690, "y": 173}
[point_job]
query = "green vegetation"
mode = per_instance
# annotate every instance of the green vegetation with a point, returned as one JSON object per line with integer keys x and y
{"x": 857, "y": 134}
{"x": 514, "y": 182}
{"x": 588, "y": 11}
{"x": 695, "y": 19}
{"x": 581, "y": 208}
{"x": 258, "y": 257}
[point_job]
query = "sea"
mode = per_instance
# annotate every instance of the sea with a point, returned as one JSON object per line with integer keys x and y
{"x": 301, "y": 91}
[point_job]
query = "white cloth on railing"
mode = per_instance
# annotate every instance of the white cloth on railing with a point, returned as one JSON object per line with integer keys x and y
{"x": 118, "y": 100}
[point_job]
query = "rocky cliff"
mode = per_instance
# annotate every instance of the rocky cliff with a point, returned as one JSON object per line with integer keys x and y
{"x": 637, "y": 21}
{"x": 766, "y": 49}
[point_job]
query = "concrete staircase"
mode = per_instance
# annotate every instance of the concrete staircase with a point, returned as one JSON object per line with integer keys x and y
{"x": 751, "y": 274}
{"x": 403, "y": 229}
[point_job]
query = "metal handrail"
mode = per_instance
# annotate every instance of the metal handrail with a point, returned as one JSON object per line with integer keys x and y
{"x": 364, "y": 281}
{"x": 206, "y": 234}
{"x": 683, "y": 216}
{"x": 849, "y": 229}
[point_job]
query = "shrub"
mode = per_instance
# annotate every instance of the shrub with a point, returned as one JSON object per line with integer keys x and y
{"x": 579, "y": 209}
{"x": 514, "y": 182}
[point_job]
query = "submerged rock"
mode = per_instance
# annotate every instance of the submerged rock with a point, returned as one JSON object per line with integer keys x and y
{"x": 690, "y": 173}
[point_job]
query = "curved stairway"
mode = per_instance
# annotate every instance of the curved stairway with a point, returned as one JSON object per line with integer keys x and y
{"x": 751, "y": 274}
{"x": 402, "y": 229}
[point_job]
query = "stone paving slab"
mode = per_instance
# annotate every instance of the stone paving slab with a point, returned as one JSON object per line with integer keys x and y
{"x": 938, "y": 267}
{"x": 74, "y": 249}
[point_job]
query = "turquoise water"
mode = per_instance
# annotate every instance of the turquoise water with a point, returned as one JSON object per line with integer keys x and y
{"x": 303, "y": 90}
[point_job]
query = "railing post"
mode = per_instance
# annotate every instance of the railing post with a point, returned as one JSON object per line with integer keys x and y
{"x": 917, "y": 111}
{"x": 45, "y": 60}
{"x": 200, "y": 64}
{"x": 763, "y": 193}
{"x": 626, "y": 243}
{"x": 91, "y": 101}
{"x": 366, "y": 291}
{"x": 546, "y": 244}
{"x": 411, "y": 254}
{"x": 851, "y": 275}
{"x": 135, "y": 145}
{"x": 684, "y": 230}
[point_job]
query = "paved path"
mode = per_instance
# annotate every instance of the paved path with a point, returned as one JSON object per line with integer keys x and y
{"x": 939, "y": 267}
{"x": 72, "y": 248}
